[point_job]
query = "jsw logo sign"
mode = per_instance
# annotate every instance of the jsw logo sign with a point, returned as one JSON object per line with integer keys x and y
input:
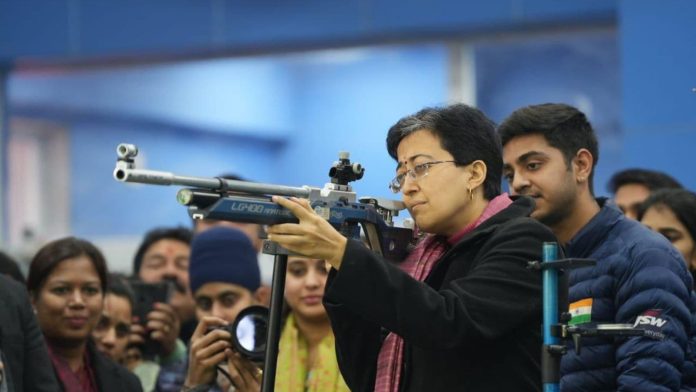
{"x": 650, "y": 320}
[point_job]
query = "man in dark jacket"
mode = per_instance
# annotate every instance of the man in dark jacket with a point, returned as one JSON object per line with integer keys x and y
{"x": 549, "y": 154}
{"x": 25, "y": 360}
{"x": 463, "y": 311}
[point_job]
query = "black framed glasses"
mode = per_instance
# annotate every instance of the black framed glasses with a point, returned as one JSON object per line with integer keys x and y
{"x": 419, "y": 171}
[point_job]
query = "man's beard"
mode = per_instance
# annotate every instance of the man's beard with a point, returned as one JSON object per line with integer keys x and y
{"x": 561, "y": 209}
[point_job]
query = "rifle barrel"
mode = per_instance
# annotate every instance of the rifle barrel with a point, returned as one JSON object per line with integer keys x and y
{"x": 212, "y": 183}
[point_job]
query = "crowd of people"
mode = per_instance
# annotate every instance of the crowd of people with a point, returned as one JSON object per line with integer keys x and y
{"x": 462, "y": 311}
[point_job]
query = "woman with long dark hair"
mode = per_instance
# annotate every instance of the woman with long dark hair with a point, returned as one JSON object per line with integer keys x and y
{"x": 67, "y": 281}
{"x": 672, "y": 213}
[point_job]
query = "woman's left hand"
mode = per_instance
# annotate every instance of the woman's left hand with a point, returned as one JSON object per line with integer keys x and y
{"x": 313, "y": 237}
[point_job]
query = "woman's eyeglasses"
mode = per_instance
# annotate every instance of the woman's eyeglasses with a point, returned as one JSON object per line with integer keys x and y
{"x": 419, "y": 171}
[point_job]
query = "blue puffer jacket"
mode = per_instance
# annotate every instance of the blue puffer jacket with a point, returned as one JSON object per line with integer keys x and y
{"x": 689, "y": 368}
{"x": 639, "y": 279}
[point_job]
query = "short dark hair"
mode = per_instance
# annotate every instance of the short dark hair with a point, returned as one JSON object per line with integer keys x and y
{"x": 180, "y": 234}
{"x": 651, "y": 179}
{"x": 562, "y": 126}
{"x": 464, "y": 131}
{"x": 10, "y": 267}
{"x": 119, "y": 286}
{"x": 55, "y": 252}
{"x": 682, "y": 202}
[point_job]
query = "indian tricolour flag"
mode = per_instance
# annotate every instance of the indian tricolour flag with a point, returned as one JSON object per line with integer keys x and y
{"x": 580, "y": 311}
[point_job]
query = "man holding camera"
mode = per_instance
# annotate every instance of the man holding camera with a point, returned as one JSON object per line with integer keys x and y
{"x": 225, "y": 279}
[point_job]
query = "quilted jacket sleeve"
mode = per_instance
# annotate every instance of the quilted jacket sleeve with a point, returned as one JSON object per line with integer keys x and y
{"x": 653, "y": 294}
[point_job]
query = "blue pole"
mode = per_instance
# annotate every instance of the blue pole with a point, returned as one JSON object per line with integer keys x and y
{"x": 550, "y": 305}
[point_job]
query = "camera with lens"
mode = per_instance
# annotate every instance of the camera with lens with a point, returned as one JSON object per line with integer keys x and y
{"x": 249, "y": 332}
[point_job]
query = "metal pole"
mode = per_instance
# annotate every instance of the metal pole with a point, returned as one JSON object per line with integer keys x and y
{"x": 549, "y": 361}
{"x": 274, "y": 323}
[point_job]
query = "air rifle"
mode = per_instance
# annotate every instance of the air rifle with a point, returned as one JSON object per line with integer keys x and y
{"x": 242, "y": 201}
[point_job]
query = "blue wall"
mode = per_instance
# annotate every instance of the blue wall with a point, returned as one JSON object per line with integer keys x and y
{"x": 658, "y": 49}
{"x": 350, "y": 104}
{"x": 280, "y": 119}
{"x": 77, "y": 29}
{"x": 244, "y": 96}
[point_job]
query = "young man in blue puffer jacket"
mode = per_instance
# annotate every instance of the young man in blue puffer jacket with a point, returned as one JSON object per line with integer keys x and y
{"x": 549, "y": 153}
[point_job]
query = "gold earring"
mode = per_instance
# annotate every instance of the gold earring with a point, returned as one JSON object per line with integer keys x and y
{"x": 471, "y": 194}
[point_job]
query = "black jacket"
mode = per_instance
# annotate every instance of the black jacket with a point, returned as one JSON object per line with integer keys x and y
{"x": 473, "y": 325}
{"x": 25, "y": 357}
{"x": 110, "y": 376}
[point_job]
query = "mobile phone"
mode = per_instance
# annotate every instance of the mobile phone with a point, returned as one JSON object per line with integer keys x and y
{"x": 145, "y": 296}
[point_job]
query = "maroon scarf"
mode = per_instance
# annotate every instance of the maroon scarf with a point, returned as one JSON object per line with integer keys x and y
{"x": 418, "y": 265}
{"x": 82, "y": 380}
